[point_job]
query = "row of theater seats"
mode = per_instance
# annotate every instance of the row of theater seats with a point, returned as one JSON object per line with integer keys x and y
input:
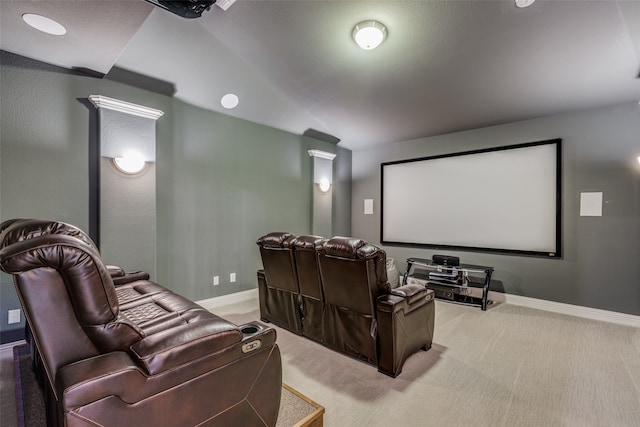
{"x": 115, "y": 349}
{"x": 335, "y": 291}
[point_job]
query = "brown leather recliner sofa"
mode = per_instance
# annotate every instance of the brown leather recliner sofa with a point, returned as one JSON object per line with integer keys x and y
{"x": 134, "y": 354}
{"x": 335, "y": 291}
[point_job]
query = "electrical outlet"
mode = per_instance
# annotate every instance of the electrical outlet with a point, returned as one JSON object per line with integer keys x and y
{"x": 232, "y": 277}
{"x": 14, "y": 316}
{"x": 216, "y": 280}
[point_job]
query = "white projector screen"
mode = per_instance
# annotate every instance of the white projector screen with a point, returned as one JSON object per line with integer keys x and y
{"x": 505, "y": 199}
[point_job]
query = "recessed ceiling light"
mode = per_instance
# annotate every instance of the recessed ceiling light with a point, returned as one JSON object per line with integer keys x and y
{"x": 524, "y": 3}
{"x": 369, "y": 34}
{"x": 44, "y": 24}
{"x": 230, "y": 101}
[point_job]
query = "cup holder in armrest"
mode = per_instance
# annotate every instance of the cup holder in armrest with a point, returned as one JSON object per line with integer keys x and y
{"x": 250, "y": 329}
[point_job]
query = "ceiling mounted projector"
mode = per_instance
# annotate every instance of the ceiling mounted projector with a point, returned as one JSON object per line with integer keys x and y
{"x": 186, "y": 8}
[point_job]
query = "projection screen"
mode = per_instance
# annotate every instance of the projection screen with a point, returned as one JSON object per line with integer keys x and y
{"x": 505, "y": 199}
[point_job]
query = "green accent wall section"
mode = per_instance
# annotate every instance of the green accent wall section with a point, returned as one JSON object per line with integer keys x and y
{"x": 600, "y": 265}
{"x": 341, "y": 191}
{"x": 128, "y": 218}
{"x": 221, "y": 182}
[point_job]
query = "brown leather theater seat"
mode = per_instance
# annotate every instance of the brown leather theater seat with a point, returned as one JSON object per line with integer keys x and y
{"x": 344, "y": 299}
{"x": 311, "y": 293}
{"x": 279, "y": 291}
{"x": 136, "y": 354}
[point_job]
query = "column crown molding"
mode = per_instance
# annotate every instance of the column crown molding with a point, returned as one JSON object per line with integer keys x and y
{"x": 321, "y": 154}
{"x": 125, "y": 107}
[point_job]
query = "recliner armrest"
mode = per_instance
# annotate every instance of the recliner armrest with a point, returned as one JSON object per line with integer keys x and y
{"x": 407, "y": 298}
{"x": 117, "y": 373}
{"x": 410, "y": 292}
{"x": 87, "y": 380}
{"x": 120, "y": 277}
{"x": 405, "y": 324}
{"x": 115, "y": 271}
{"x": 130, "y": 276}
{"x": 172, "y": 347}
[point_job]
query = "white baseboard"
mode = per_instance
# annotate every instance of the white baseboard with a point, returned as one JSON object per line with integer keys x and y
{"x": 215, "y": 302}
{"x": 10, "y": 345}
{"x": 569, "y": 309}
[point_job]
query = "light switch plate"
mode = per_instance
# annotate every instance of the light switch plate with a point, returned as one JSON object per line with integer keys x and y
{"x": 591, "y": 204}
{"x": 14, "y": 316}
{"x": 368, "y": 206}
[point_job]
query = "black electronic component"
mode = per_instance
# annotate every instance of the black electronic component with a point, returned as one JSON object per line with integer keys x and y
{"x": 186, "y": 8}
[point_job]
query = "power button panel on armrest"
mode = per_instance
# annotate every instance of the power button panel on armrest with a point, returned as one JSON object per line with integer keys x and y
{"x": 251, "y": 346}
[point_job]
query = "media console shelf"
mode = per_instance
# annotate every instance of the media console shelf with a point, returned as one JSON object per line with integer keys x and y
{"x": 453, "y": 283}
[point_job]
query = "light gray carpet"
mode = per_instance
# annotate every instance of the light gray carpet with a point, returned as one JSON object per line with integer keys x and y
{"x": 508, "y": 366}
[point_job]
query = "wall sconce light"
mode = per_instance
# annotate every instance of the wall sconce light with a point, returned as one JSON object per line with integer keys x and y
{"x": 131, "y": 163}
{"x": 638, "y": 159}
{"x": 322, "y": 169}
{"x": 324, "y": 185}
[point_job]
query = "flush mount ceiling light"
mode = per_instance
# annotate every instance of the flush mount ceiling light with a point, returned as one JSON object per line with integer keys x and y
{"x": 44, "y": 24}
{"x": 369, "y": 34}
{"x": 524, "y": 3}
{"x": 230, "y": 101}
{"x": 131, "y": 163}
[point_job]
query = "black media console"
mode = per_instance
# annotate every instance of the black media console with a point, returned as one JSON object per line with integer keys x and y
{"x": 452, "y": 283}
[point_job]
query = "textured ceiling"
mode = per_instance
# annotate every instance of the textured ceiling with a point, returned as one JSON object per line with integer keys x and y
{"x": 445, "y": 66}
{"x": 97, "y": 31}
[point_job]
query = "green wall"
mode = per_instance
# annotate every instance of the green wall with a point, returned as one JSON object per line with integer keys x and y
{"x": 600, "y": 265}
{"x": 221, "y": 182}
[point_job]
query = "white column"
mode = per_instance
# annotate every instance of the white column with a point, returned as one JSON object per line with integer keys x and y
{"x": 322, "y": 209}
{"x": 127, "y": 212}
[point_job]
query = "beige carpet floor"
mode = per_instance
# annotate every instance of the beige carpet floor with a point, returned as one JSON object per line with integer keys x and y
{"x": 508, "y": 366}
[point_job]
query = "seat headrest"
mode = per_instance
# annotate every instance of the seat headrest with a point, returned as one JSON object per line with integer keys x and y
{"x": 277, "y": 239}
{"x": 348, "y": 247}
{"x": 32, "y": 244}
{"x": 309, "y": 242}
{"x": 18, "y": 230}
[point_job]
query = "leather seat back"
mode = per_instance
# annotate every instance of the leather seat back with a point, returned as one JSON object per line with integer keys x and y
{"x": 276, "y": 250}
{"x": 312, "y": 296}
{"x": 54, "y": 262}
{"x": 353, "y": 274}
{"x": 281, "y": 296}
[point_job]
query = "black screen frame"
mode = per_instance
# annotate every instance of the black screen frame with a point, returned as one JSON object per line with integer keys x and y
{"x": 558, "y": 199}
